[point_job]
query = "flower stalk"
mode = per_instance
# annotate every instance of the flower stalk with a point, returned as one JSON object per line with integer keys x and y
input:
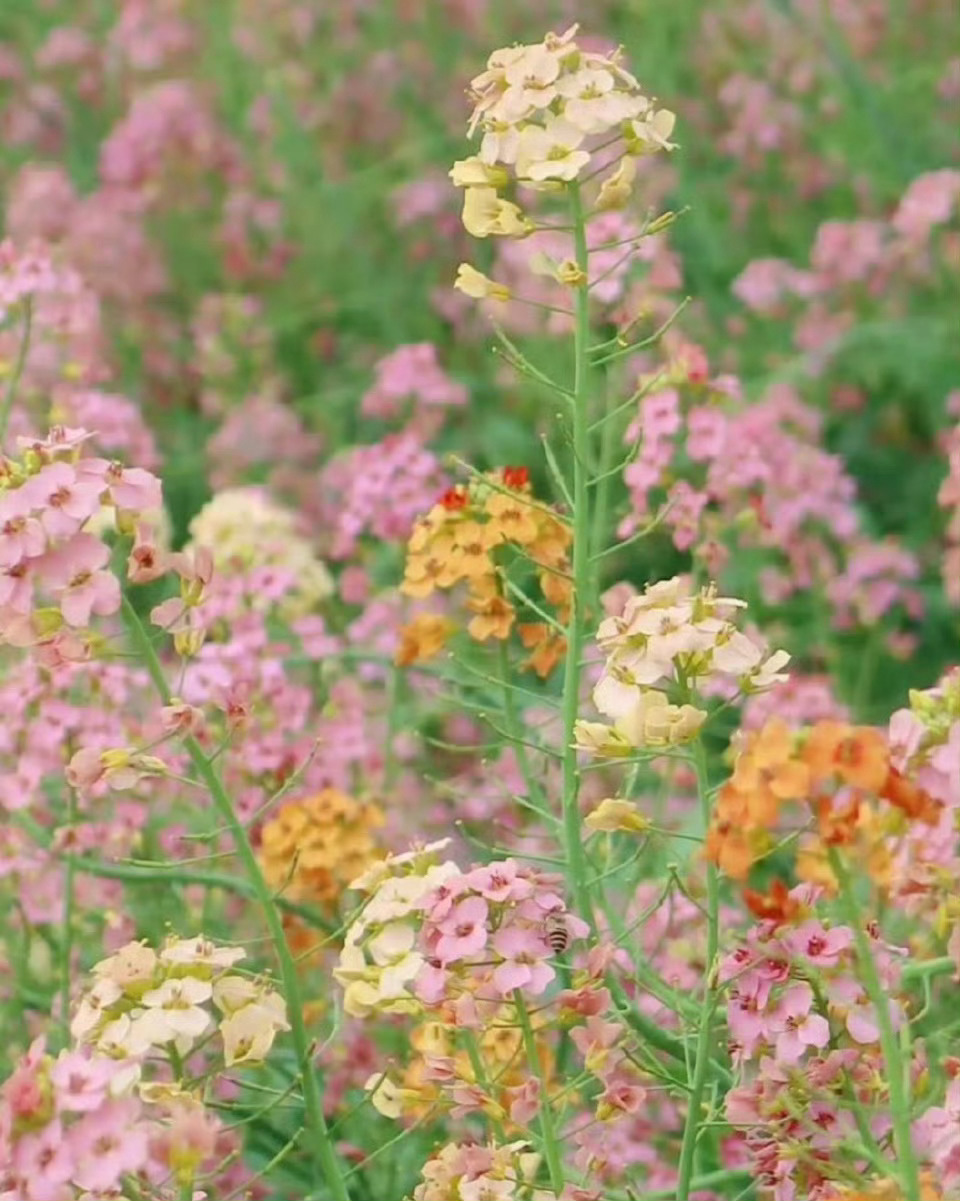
{"x": 580, "y": 420}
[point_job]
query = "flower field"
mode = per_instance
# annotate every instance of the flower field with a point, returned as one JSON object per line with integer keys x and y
{"x": 479, "y": 600}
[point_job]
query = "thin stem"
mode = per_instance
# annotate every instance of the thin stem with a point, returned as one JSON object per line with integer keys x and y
{"x": 551, "y": 1149}
{"x": 6, "y": 406}
{"x": 896, "y": 1069}
{"x": 580, "y": 568}
{"x": 319, "y": 1136}
{"x": 66, "y": 942}
{"x": 708, "y": 1005}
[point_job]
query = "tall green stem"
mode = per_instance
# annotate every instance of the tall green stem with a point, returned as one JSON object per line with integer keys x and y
{"x": 896, "y": 1068}
{"x": 708, "y": 1005}
{"x": 580, "y": 418}
{"x": 321, "y": 1142}
{"x": 551, "y": 1148}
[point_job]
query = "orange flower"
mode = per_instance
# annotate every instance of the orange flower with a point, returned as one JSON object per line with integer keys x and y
{"x": 910, "y": 799}
{"x": 512, "y": 518}
{"x": 313, "y": 847}
{"x": 548, "y": 647}
{"x": 858, "y": 755}
{"x": 735, "y": 840}
{"x": 470, "y": 557}
{"x": 775, "y": 906}
{"x": 556, "y": 588}
{"x": 430, "y": 570}
{"x": 494, "y": 615}
{"x": 423, "y": 638}
{"x": 767, "y": 773}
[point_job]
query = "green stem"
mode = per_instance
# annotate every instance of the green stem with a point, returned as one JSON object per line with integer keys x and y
{"x": 7, "y": 406}
{"x": 896, "y": 1069}
{"x": 66, "y": 943}
{"x": 708, "y": 1005}
{"x": 319, "y": 1136}
{"x": 551, "y": 1149}
{"x": 573, "y": 840}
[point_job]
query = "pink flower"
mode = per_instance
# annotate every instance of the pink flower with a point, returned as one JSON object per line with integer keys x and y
{"x": 499, "y": 882}
{"x": 107, "y": 1144}
{"x": 75, "y": 570}
{"x": 798, "y": 1028}
{"x": 81, "y": 1081}
{"x": 523, "y": 951}
{"x": 21, "y": 536}
{"x": 45, "y": 1159}
{"x": 129, "y": 488}
{"x": 464, "y": 931}
{"x": 819, "y": 946}
{"x": 65, "y": 499}
{"x": 525, "y": 1101}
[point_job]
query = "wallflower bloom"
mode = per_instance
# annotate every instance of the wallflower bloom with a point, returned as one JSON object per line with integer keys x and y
{"x": 485, "y": 214}
{"x": 475, "y": 284}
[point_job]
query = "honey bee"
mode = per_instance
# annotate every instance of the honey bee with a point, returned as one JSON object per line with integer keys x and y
{"x": 555, "y": 933}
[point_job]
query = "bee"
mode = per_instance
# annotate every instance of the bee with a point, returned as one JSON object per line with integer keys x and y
{"x": 555, "y": 933}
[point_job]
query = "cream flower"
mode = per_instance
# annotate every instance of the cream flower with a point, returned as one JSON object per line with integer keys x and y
{"x": 201, "y": 952}
{"x": 592, "y": 102}
{"x": 551, "y": 151}
{"x": 133, "y": 965}
{"x": 473, "y": 172}
{"x": 93, "y": 1008}
{"x": 617, "y": 188}
{"x": 174, "y": 1011}
{"x": 474, "y": 283}
{"x": 654, "y": 722}
{"x": 616, "y": 813}
{"x": 248, "y": 1034}
{"x": 484, "y": 213}
{"x": 651, "y": 132}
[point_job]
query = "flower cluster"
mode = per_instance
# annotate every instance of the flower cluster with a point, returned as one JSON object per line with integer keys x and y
{"x": 470, "y": 536}
{"x": 144, "y": 1001}
{"x": 669, "y": 640}
{"x": 49, "y": 496}
{"x": 473, "y": 1172}
{"x": 246, "y": 529}
{"x": 838, "y": 773}
{"x": 537, "y": 108}
{"x": 805, "y": 1039}
{"x": 314, "y": 846}
{"x": 435, "y": 935}
{"x": 69, "y": 1127}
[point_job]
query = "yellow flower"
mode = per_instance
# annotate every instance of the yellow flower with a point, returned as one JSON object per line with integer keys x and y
{"x": 616, "y": 814}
